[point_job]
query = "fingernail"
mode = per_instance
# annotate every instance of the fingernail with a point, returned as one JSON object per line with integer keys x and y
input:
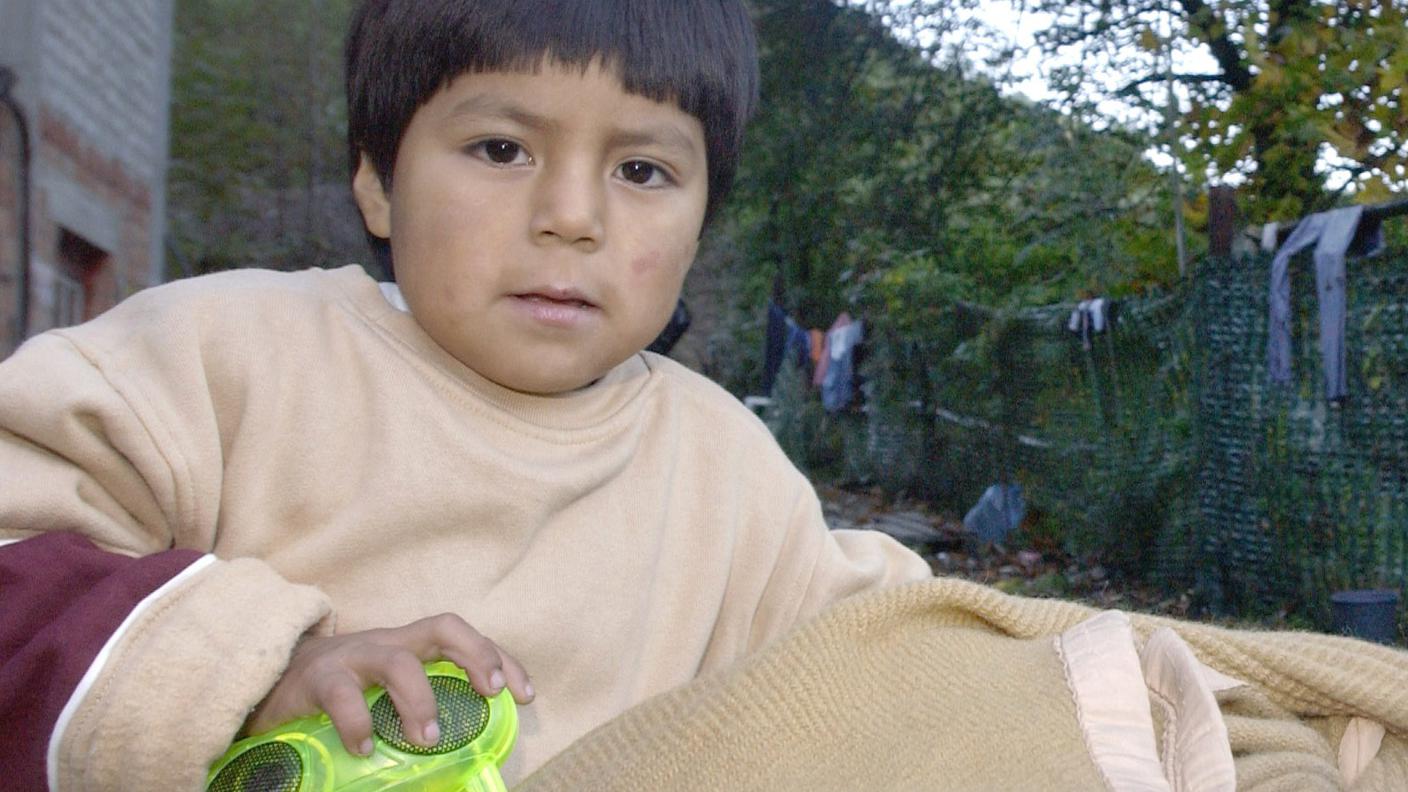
{"x": 528, "y": 690}
{"x": 496, "y": 681}
{"x": 432, "y": 733}
{"x": 365, "y": 749}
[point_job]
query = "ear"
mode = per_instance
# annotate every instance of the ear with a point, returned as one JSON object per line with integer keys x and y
{"x": 371, "y": 198}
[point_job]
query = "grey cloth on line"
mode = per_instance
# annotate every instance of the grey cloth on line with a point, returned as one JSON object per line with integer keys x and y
{"x": 1332, "y": 233}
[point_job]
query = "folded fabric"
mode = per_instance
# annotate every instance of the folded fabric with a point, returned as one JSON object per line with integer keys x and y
{"x": 949, "y": 685}
{"x": 1332, "y": 233}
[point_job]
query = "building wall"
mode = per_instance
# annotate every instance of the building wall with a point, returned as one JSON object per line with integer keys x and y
{"x": 94, "y": 77}
{"x": 10, "y": 256}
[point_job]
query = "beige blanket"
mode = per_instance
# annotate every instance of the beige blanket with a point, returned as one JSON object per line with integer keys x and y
{"x": 948, "y": 685}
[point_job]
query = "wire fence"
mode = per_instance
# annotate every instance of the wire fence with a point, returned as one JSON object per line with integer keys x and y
{"x": 1160, "y": 446}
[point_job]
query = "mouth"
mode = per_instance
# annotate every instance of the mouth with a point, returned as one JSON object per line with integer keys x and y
{"x": 568, "y": 298}
{"x": 561, "y": 309}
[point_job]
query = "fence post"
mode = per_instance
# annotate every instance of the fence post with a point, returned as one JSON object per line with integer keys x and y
{"x": 1222, "y": 220}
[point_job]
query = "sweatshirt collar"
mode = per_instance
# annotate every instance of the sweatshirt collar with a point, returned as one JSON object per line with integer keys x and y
{"x": 595, "y": 407}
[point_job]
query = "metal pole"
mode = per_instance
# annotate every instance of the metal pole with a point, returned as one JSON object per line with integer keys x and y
{"x": 7, "y": 81}
{"x": 1170, "y": 112}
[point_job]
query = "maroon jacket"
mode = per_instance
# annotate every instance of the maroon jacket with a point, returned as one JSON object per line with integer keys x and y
{"x": 62, "y": 599}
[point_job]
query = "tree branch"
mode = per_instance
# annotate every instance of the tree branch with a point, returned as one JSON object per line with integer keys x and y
{"x": 1234, "y": 72}
{"x": 1130, "y": 87}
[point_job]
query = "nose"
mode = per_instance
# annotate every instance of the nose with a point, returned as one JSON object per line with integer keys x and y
{"x": 569, "y": 207}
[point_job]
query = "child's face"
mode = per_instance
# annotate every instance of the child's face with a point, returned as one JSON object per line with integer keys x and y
{"x": 542, "y": 224}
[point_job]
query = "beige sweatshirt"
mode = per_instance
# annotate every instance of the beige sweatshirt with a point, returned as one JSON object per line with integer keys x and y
{"x": 344, "y": 470}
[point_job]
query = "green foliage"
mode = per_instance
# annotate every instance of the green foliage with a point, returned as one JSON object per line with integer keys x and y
{"x": 894, "y": 454}
{"x": 258, "y": 160}
{"x": 1294, "y": 86}
{"x": 1333, "y": 524}
{"x": 893, "y": 181}
{"x": 794, "y": 416}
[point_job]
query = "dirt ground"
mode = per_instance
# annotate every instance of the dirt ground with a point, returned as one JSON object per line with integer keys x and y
{"x": 950, "y": 550}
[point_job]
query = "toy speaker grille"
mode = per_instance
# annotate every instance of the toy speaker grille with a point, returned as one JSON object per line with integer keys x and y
{"x": 267, "y": 767}
{"x": 463, "y": 714}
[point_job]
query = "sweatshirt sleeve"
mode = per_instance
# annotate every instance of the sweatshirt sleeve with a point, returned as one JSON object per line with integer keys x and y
{"x": 815, "y": 567}
{"x": 129, "y": 653}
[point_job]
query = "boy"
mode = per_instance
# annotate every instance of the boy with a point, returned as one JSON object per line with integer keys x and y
{"x": 243, "y": 498}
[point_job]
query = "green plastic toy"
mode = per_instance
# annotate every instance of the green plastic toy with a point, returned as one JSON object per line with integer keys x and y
{"x": 476, "y": 736}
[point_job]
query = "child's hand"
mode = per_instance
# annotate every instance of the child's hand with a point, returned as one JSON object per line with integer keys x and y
{"x": 329, "y": 675}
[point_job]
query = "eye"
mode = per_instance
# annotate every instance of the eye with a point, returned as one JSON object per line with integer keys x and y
{"x": 501, "y": 152}
{"x": 644, "y": 173}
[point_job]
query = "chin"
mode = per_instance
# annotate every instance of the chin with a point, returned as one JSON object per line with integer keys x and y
{"x": 546, "y": 386}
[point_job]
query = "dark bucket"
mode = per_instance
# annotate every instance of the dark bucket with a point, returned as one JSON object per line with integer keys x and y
{"x": 1371, "y": 614}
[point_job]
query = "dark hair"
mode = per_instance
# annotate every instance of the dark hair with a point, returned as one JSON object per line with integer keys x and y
{"x": 700, "y": 54}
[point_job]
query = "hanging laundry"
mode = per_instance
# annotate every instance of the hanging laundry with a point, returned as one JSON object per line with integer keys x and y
{"x": 1335, "y": 234}
{"x": 774, "y": 344}
{"x": 799, "y": 345}
{"x": 783, "y": 337}
{"x": 818, "y": 341}
{"x": 838, "y": 386}
{"x": 824, "y": 355}
{"x": 1269, "y": 234}
{"x": 1091, "y": 317}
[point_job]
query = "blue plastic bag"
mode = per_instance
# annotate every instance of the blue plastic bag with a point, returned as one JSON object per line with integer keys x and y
{"x": 997, "y": 513}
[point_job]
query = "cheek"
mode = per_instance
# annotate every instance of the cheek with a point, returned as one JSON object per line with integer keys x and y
{"x": 663, "y": 265}
{"x": 648, "y": 266}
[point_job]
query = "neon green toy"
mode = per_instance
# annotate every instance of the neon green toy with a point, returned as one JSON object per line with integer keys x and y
{"x": 476, "y": 736}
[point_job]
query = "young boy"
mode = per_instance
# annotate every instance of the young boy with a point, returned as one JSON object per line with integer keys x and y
{"x": 242, "y": 498}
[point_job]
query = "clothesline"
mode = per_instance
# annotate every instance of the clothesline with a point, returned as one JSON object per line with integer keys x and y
{"x": 972, "y": 422}
{"x": 1377, "y": 212}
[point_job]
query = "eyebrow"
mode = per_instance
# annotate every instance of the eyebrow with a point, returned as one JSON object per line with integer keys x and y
{"x": 493, "y": 107}
{"x": 662, "y": 134}
{"x": 667, "y": 135}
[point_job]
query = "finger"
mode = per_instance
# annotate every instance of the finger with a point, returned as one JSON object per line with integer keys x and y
{"x": 516, "y": 678}
{"x": 470, "y": 650}
{"x": 403, "y": 676}
{"x": 341, "y": 698}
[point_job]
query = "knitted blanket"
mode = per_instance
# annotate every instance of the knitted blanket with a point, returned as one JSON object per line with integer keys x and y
{"x": 949, "y": 685}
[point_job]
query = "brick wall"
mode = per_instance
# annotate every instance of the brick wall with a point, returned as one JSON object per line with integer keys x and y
{"x": 105, "y": 78}
{"x": 96, "y": 79}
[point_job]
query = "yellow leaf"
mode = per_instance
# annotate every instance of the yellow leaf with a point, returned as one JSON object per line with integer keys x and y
{"x": 1148, "y": 40}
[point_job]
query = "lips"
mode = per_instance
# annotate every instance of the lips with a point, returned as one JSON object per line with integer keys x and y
{"x": 561, "y": 296}
{"x": 557, "y": 308}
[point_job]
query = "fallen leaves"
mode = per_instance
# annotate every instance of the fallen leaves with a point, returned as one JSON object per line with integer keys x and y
{"x": 1026, "y": 571}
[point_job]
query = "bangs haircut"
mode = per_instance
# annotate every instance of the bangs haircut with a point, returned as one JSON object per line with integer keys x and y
{"x": 698, "y": 54}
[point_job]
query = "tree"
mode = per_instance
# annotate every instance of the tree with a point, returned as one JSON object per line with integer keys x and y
{"x": 1305, "y": 100}
{"x": 885, "y": 167}
{"x": 258, "y": 171}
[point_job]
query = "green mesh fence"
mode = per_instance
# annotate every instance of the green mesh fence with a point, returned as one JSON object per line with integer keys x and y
{"x": 1161, "y": 448}
{"x": 1298, "y": 496}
